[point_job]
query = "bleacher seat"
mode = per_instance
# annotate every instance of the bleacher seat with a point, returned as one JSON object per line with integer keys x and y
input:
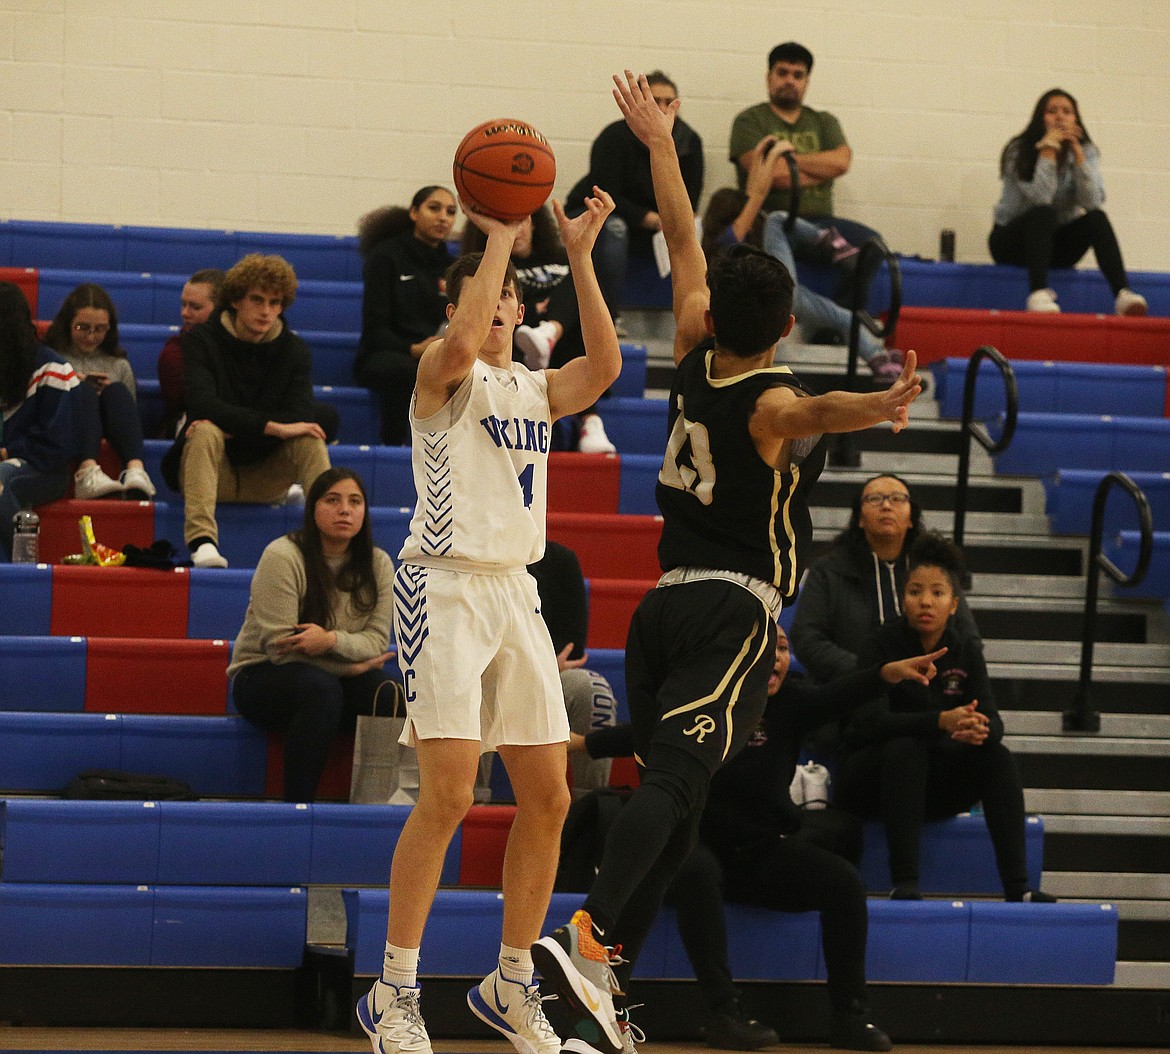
{"x": 923, "y": 940}
{"x": 355, "y": 844}
{"x": 28, "y": 281}
{"x": 1055, "y": 387}
{"x": 957, "y": 857}
{"x": 611, "y": 606}
{"x": 42, "y": 673}
{"x": 1070, "y": 494}
{"x": 119, "y": 602}
{"x": 28, "y": 598}
{"x": 1123, "y": 550}
{"x": 1042, "y": 944}
{"x": 636, "y": 426}
{"x": 1045, "y": 443}
{"x": 43, "y": 752}
{"x": 610, "y": 546}
{"x": 219, "y": 757}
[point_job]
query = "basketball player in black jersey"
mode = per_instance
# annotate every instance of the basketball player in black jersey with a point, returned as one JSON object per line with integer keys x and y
{"x": 743, "y": 450}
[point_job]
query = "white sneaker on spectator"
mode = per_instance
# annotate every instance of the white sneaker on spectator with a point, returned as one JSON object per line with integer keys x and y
{"x": 1130, "y": 304}
{"x": 295, "y": 495}
{"x": 207, "y": 555}
{"x": 1043, "y": 301}
{"x": 593, "y": 438}
{"x": 536, "y": 344}
{"x": 136, "y": 484}
{"x": 92, "y": 483}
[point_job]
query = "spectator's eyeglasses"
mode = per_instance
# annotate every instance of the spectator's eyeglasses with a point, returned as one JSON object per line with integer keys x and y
{"x": 880, "y": 499}
{"x": 84, "y": 328}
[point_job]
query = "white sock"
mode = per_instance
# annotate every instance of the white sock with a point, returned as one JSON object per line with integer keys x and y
{"x": 400, "y": 966}
{"x": 516, "y": 965}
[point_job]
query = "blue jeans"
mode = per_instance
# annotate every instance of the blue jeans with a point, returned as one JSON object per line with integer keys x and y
{"x": 611, "y": 255}
{"x": 813, "y": 311}
{"x": 25, "y": 486}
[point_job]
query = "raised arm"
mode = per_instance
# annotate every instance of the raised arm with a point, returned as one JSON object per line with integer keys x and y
{"x": 688, "y": 267}
{"x": 581, "y": 382}
{"x": 446, "y": 362}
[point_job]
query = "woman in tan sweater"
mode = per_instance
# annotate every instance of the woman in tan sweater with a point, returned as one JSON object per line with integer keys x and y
{"x": 310, "y": 655}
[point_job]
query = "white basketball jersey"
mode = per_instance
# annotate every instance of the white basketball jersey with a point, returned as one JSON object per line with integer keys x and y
{"x": 481, "y": 472}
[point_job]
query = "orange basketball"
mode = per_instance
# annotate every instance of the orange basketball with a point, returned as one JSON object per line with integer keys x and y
{"x": 504, "y": 168}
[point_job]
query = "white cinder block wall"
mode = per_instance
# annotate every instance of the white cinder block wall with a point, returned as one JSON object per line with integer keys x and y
{"x": 303, "y": 114}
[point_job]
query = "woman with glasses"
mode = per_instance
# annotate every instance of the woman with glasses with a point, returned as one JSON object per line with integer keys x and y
{"x": 85, "y": 333}
{"x": 858, "y": 584}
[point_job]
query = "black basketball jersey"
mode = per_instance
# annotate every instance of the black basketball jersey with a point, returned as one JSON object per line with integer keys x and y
{"x": 722, "y": 506}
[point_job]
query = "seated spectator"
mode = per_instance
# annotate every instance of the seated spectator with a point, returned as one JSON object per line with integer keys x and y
{"x": 823, "y": 154}
{"x": 734, "y": 216}
{"x": 404, "y": 300}
{"x": 589, "y": 698}
{"x": 857, "y": 585}
{"x": 253, "y": 429}
{"x": 1050, "y": 214}
{"x": 85, "y": 334}
{"x": 196, "y": 302}
{"x": 620, "y": 164}
{"x": 309, "y": 657}
{"x": 922, "y": 751}
{"x": 551, "y": 332}
{"x": 756, "y": 847}
{"x": 36, "y": 416}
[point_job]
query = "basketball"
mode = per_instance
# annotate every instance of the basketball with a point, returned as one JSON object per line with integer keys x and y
{"x": 505, "y": 169}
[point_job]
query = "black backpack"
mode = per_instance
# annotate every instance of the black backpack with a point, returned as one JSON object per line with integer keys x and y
{"x": 583, "y": 837}
{"x": 111, "y": 785}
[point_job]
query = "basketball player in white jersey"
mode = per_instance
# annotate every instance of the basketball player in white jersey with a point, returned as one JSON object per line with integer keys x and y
{"x": 479, "y": 665}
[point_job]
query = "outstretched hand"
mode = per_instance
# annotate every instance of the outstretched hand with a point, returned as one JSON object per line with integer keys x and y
{"x": 895, "y": 400}
{"x": 642, "y": 114}
{"x": 919, "y": 668}
{"x": 579, "y": 233}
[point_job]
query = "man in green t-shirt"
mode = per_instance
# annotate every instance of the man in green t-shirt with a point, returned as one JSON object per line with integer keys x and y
{"x": 822, "y": 153}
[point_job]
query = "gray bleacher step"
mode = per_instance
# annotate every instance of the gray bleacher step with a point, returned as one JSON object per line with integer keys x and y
{"x": 837, "y": 519}
{"x": 935, "y": 491}
{"x": 1109, "y": 826}
{"x": 1069, "y": 652}
{"x": 990, "y": 584}
{"x": 1151, "y": 975}
{"x": 1107, "y": 885}
{"x": 1053, "y": 800}
{"x": 1114, "y": 690}
{"x": 1062, "y": 619}
{"x": 1090, "y": 746}
{"x": 1116, "y": 726}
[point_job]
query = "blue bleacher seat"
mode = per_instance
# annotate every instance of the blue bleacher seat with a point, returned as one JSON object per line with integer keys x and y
{"x": 639, "y": 477}
{"x": 1044, "y": 443}
{"x": 178, "y": 250}
{"x": 88, "y": 246}
{"x": 1055, "y": 387}
{"x": 392, "y": 479}
{"x": 218, "y": 756}
{"x": 333, "y": 354}
{"x": 331, "y": 257}
{"x": 43, "y": 752}
{"x": 75, "y": 925}
{"x": 631, "y": 382}
{"x": 924, "y": 940}
{"x": 1123, "y": 550}
{"x": 359, "y": 409}
{"x": 762, "y": 945}
{"x": 355, "y": 844}
{"x": 1042, "y": 944}
{"x": 143, "y": 342}
{"x": 217, "y": 602}
{"x": 636, "y": 426}
{"x": 42, "y": 673}
{"x": 133, "y": 294}
{"x": 234, "y": 843}
{"x": 108, "y": 842}
{"x": 1070, "y": 495}
{"x": 957, "y": 857}
{"x": 28, "y": 599}
{"x": 230, "y": 926}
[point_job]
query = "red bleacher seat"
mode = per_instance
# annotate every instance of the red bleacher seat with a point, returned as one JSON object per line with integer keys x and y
{"x": 584, "y": 482}
{"x": 335, "y": 780}
{"x": 115, "y": 523}
{"x": 136, "y": 676}
{"x": 611, "y": 606}
{"x": 485, "y": 836}
{"x": 610, "y": 546}
{"x": 26, "y": 278}
{"x": 119, "y": 602}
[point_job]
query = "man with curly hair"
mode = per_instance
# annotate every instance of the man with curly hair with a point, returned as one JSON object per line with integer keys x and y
{"x": 252, "y": 426}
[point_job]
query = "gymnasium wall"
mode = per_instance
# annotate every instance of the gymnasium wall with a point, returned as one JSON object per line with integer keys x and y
{"x": 300, "y": 115}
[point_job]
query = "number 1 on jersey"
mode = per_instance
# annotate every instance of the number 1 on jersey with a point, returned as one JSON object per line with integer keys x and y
{"x": 525, "y": 481}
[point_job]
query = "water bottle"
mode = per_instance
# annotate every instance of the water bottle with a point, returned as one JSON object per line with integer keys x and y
{"x": 26, "y": 537}
{"x": 946, "y": 246}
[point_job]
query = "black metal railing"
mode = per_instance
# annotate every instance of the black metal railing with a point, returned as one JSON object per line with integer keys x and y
{"x": 842, "y": 451}
{"x": 1082, "y": 717}
{"x": 972, "y": 429}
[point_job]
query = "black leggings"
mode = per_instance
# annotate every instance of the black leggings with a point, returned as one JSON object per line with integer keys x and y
{"x": 310, "y": 708}
{"x": 392, "y": 375}
{"x": 1036, "y": 241}
{"x": 112, "y": 413}
{"x": 908, "y": 780}
{"x": 784, "y": 874}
